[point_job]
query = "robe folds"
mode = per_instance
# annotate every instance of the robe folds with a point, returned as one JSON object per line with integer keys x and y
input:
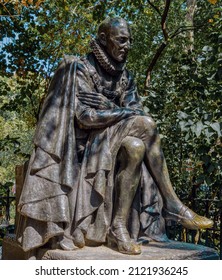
{"x": 70, "y": 181}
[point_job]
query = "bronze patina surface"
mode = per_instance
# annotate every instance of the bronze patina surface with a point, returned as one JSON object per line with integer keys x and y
{"x": 97, "y": 174}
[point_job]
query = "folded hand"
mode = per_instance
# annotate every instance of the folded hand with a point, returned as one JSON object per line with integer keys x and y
{"x": 95, "y": 100}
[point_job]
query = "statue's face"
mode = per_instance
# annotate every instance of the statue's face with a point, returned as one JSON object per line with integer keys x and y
{"x": 118, "y": 42}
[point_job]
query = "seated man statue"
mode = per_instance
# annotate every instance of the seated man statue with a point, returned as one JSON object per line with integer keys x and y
{"x": 97, "y": 174}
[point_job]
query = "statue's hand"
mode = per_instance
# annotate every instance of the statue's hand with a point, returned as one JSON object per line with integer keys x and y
{"x": 95, "y": 100}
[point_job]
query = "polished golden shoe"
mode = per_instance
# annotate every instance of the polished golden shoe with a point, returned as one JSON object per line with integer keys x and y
{"x": 189, "y": 219}
{"x": 121, "y": 239}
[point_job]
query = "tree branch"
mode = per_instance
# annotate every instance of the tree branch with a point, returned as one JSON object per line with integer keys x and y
{"x": 167, "y": 38}
{"x": 164, "y": 18}
{"x": 5, "y": 8}
{"x": 159, "y": 51}
{"x": 185, "y": 28}
{"x": 164, "y": 44}
{"x": 153, "y": 63}
{"x": 155, "y": 8}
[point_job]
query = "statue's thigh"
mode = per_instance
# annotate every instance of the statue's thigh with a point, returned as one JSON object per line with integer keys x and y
{"x": 143, "y": 127}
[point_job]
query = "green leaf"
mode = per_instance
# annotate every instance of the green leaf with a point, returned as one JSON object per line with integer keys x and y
{"x": 216, "y": 126}
{"x": 209, "y": 133}
{"x": 183, "y": 125}
{"x": 182, "y": 115}
{"x": 198, "y": 128}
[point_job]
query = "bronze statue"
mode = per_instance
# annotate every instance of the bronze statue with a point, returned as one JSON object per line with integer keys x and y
{"x": 98, "y": 174}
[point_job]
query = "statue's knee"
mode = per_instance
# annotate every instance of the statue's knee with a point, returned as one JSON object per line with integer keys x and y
{"x": 146, "y": 122}
{"x": 134, "y": 148}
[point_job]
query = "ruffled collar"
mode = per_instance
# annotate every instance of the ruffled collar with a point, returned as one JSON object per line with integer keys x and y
{"x": 105, "y": 61}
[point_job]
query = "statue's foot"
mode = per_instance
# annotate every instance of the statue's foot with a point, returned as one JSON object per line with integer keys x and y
{"x": 67, "y": 244}
{"x": 189, "y": 219}
{"x": 79, "y": 239}
{"x": 120, "y": 238}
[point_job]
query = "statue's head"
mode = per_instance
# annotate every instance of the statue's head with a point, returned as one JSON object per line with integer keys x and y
{"x": 115, "y": 36}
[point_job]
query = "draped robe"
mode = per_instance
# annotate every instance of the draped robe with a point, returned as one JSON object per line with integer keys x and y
{"x": 70, "y": 181}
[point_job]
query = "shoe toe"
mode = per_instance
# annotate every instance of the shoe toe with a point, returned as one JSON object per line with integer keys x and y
{"x": 207, "y": 223}
{"x": 129, "y": 248}
{"x": 137, "y": 250}
{"x": 67, "y": 244}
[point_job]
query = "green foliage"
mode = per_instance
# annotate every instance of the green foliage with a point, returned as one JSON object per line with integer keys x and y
{"x": 185, "y": 94}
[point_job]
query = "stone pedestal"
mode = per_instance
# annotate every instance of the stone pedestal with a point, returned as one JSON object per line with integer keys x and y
{"x": 152, "y": 251}
{"x": 11, "y": 250}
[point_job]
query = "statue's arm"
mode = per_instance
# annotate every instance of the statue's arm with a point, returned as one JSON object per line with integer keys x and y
{"x": 96, "y": 100}
{"x": 90, "y": 116}
{"x": 87, "y": 93}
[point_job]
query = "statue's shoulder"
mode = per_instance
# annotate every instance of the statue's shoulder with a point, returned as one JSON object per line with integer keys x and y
{"x": 67, "y": 61}
{"x": 87, "y": 65}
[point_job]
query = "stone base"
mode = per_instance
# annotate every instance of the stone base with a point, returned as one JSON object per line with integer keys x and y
{"x": 11, "y": 250}
{"x": 153, "y": 251}
{"x": 171, "y": 250}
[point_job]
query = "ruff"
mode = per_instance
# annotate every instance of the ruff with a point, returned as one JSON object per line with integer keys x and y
{"x": 106, "y": 61}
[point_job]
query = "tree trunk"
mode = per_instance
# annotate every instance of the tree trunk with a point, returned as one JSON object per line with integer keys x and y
{"x": 191, "y": 7}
